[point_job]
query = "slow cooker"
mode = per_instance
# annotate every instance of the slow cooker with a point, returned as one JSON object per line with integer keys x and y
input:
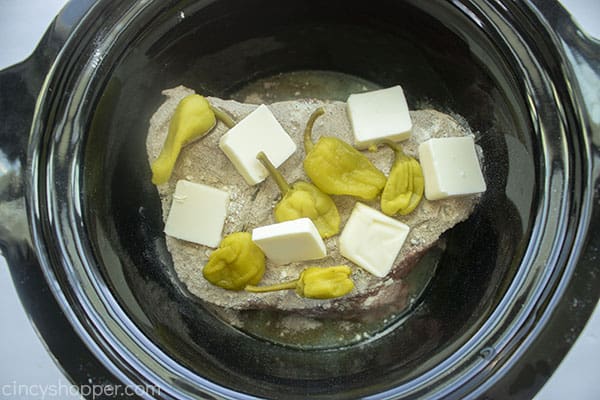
{"x": 83, "y": 234}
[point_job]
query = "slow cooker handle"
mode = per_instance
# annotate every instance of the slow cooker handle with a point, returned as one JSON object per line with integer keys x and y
{"x": 581, "y": 54}
{"x": 580, "y": 67}
{"x": 20, "y": 87}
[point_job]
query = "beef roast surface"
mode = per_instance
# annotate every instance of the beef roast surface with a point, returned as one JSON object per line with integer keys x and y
{"x": 251, "y": 206}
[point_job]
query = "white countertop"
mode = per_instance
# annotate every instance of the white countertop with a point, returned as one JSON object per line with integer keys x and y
{"x": 27, "y": 371}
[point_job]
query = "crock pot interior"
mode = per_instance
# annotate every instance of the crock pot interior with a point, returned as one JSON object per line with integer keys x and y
{"x": 441, "y": 59}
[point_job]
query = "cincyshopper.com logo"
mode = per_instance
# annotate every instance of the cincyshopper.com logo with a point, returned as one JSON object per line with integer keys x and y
{"x": 61, "y": 390}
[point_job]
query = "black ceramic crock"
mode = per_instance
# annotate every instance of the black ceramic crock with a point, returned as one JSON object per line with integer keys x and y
{"x": 82, "y": 232}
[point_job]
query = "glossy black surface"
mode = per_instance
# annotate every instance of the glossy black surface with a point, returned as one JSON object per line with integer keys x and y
{"x": 19, "y": 88}
{"x": 506, "y": 283}
{"x": 126, "y": 217}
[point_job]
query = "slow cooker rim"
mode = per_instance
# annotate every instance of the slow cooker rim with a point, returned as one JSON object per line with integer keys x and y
{"x": 36, "y": 210}
{"x": 72, "y": 305}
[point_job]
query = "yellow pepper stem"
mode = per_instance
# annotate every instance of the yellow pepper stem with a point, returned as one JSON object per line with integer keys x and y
{"x": 273, "y": 288}
{"x": 308, "y": 143}
{"x": 284, "y": 187}
{"x": 223, "y": 116}
{"x": 315, "y": 283}
{"x": 398, "y": 152}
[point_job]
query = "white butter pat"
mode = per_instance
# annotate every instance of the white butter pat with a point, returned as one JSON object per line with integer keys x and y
{"x": 450, "y": 167}
{"x": 290, "y": 241}
{"x": 197, "y": 213}
{"x": 259, "y": 131}
{"x": 372, "y": 240}
{"x": 380, "y": 114}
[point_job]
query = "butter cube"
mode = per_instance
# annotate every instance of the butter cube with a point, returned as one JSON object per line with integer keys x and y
{"x": 290, "y": 241}
{"x": 259, "y": 131}
{"x": 372, "y": 240}
{"x": 197, "y": 213}
{"x": 450, "y": 167}
{"x": 380, "y": 114}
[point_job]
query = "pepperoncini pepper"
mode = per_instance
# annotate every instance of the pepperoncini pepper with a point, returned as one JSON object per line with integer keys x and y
{"x": 335, "y": 167}
{"x": 404, "y": 188}
{"x": 315, "y": 283}
{"x": 301, "y": 200}
{"x": 193, "y": 118}
{"x": 237, "y": 262}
